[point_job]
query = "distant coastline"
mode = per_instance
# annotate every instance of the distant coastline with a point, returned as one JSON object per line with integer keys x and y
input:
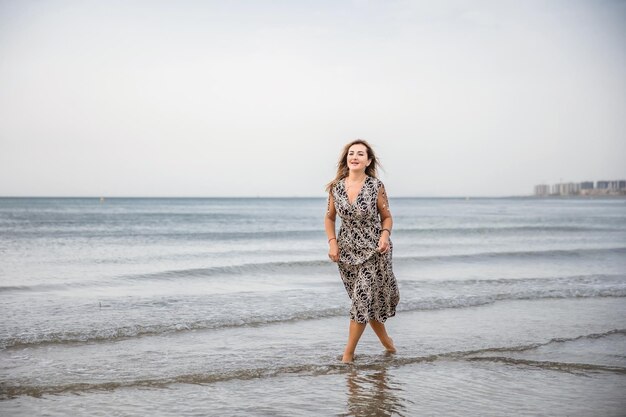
{"x": 577, "y": 197}
{"x": 614, "y": 188}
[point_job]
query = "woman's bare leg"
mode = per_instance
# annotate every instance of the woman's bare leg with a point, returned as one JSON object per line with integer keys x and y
{"x": 356, "y": 330}
{"x": 381, "y": 332}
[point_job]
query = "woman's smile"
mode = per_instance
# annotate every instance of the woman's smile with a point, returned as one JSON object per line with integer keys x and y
{"x": 357, "y": 157}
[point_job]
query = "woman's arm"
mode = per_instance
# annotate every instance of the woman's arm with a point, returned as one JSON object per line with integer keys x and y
{"x": 329, "y": 225}
{"x": 386, "y": 220}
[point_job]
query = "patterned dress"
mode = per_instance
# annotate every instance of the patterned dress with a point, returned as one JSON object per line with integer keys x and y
{"x": 366, "y": 274}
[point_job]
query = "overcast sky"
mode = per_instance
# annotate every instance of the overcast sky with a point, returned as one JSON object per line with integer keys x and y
{"x": 256, "y": 98}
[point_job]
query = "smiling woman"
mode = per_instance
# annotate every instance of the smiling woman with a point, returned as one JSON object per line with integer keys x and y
{"x": 362, "y": 249}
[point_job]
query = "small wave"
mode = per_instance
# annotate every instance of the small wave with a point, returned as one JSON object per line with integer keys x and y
{"x": 300, "y": 267}
{"x": 465, "y": 301}
{"x": 61, "y": 231}
{"x": 10, "y": 288}
{"x": 281, "y": 267}
{"x": 66, "y": 230}
{"x": 560, "y": 366}
{"x": 503, "y": 229}
{"x": 564, "y": 279}
{"x": 240, "y": 269}
{"x": 216, "y": 271}
{"x": 8, "y": 390}
{"x": 128, "y": 332}
{"x": 569, "y": 279}
{"x": 487, "y": 354}
{"x": 538, "y": 254}
{"x": 531, "y": 346}
{"x": 424, "y": 304}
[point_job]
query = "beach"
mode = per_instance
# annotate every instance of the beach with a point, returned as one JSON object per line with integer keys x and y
{"x": 229, "y": 307}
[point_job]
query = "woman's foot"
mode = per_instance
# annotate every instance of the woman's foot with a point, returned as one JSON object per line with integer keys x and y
{"x": 384, "y": 338}
{"x": 389, "y": 346}
{"x": 347, "y": 358}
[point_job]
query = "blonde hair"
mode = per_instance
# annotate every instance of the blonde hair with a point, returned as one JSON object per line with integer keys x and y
{"x": 342, "y": 164}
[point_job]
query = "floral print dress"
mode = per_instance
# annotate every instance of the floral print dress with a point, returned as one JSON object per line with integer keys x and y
{"x": 366, "y": 274}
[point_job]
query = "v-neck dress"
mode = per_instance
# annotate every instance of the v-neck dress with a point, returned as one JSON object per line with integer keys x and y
{"x": 366, "y": 274}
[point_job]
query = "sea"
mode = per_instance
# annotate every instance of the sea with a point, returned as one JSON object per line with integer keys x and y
{"x": 230, "y": 307}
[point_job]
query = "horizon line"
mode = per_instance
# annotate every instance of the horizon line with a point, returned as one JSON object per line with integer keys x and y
{"x": 105, "y": 197}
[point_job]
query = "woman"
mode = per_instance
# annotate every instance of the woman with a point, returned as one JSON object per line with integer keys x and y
{"x": 362, "y": 249}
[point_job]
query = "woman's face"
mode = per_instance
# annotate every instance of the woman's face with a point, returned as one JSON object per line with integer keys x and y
{"x": 357, "y": 157}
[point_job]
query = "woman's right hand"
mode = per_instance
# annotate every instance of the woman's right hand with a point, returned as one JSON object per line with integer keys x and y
{"x": 333, "y": 250}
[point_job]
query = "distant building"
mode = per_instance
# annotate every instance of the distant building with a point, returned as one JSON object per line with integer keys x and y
{"x": 565, "y": 188}
{"x": 542, "y": 190}
{"x": 617, "y": 185}
{"x": 602, "y": 185}
{"x": 585, "y": 188}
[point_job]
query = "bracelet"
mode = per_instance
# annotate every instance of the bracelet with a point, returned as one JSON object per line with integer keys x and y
{"x": 388, "y": 231}
{"x": 331, "y": 239}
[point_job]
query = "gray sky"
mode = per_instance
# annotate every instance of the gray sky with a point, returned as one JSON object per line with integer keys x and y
{"x": 256, "y": 98}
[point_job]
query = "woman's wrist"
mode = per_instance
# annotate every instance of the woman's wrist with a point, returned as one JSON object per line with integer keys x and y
{"x": 385, "y": 230}
{"x": 331, "y": 239}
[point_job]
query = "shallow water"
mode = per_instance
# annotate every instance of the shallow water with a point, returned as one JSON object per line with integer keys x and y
{"x": 505, "y": 358}
{"x": 228, "y": 307}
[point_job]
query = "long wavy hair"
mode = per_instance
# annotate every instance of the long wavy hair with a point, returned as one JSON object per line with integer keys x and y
{"x": 342, "y": 164}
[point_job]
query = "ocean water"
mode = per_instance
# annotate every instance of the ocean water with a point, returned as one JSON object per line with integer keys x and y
{"x": 509, "y": 306}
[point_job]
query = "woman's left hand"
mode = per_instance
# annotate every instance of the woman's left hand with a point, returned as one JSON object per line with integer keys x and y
{"x": 383, "y": 244}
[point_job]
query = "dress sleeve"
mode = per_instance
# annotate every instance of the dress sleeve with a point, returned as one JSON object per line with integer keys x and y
{"x": 331, "y": 213}
{"x": 382, "y": 202}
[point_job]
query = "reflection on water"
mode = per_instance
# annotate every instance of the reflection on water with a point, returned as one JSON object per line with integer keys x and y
{"x": 373, "y": 392}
